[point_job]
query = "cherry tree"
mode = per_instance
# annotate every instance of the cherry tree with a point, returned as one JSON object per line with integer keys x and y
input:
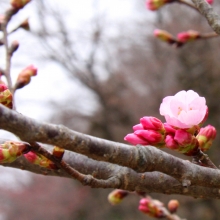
{"x": 141, "y": 169}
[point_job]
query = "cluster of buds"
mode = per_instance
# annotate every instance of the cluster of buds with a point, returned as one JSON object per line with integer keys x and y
{"x": 150, "y": 131}
{"x": 156, "y": 4}
{"x": 40, "y": 160}
{"x": 11, "y": 150}
{"x": 24, "y": 76}
{"x": 19, "y": 4}
{"x": 152, "y": 207}
{"x": 6, "y": 98}
{"x": 156, "y": 209}
{"x": 116, "y": 196}
{"x": 181, "y": 38}
{"x": 184, "y": 113}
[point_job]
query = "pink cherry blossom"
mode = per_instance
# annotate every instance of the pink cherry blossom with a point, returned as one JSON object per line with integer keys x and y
{"x": 184, "y": 110}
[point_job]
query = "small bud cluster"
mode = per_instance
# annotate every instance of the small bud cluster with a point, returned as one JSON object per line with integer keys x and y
{"x": 184, "y": 113}
{"x": 150, "y": 131}
{"x": 152, "y": 207}
{"x": 182, "y": 37}
{"x": 25, "y": 75}
{"x": 11, "y": 150}
{"x": 6, "y": 98}
{"x": 157, "y": 209}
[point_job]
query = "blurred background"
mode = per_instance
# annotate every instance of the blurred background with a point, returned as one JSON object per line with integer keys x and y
{"x": 99, "y": 70}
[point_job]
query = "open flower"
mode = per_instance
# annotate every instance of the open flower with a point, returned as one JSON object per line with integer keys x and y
{"x": 184, "y": 110}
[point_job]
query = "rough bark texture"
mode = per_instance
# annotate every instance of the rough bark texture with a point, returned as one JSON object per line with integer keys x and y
{"x": 106, "y": 164}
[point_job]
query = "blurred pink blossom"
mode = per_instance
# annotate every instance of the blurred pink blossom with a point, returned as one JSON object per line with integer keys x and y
{"x": 210, "y": 1}
{"x": 184, "y": 110}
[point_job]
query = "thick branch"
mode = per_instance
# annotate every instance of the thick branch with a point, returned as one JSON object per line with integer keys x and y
{"x": 139, "y": 158}
{"x": 153, "y": 182}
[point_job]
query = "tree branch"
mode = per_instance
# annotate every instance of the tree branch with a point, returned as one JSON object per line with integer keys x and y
{"x": 153, "y": 182}
{"x": 139, "y": 158}
{"x": 208, "y": 12}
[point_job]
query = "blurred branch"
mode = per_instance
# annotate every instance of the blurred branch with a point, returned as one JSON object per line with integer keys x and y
{"x": 207, "y": 11}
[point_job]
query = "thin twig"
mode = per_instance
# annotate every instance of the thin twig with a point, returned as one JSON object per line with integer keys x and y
{"x": 84, "y": 179}
{"x": 203, "y": 160}
{"x": 7, "y": 55}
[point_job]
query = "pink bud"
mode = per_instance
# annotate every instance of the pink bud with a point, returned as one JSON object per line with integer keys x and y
{"x": 210, "y": 1}
{"x": 182, "y": 137}
{"x": 134, "y": 139}
{"x": 152, "y": 123}
{"x": 151, "y": 136}
{"x": 187, "y": 36}
{"x": 171, "y": 143}
{"x": 25, "y": 75}
{"x": 138, "y": 127}
{"x": 206, "y": 136}
{"x": 169, "y": 129}
{"x": 3, "y": 87}
{"x": 187, "y": 142}
{"x": 152, "y": 207}
{"x": 143, "y": 205}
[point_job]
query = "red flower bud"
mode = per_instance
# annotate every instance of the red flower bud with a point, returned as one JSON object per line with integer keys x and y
{"x": 152, "y": 207}
{"x": 151, "y": 136}
{"x": 24, "y": 77}
{"x": 152, "y": 123}
{"x": 187, "y": 36}
{"x": 206, "y": 136}
{"x": 135, "y": 139}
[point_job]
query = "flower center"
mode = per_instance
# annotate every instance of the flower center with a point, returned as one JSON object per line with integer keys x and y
{"x": 179, "y": 110}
